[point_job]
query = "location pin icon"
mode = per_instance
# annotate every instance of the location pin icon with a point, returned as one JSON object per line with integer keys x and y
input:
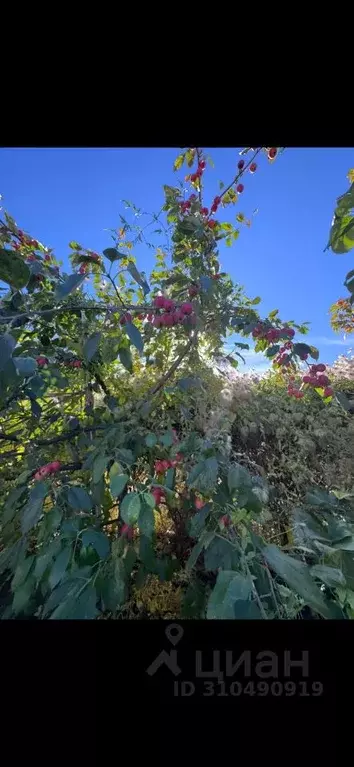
{"x": 174, "y": 633}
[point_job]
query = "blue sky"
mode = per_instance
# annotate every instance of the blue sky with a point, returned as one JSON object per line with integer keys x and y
{"x": 63, "y": 194}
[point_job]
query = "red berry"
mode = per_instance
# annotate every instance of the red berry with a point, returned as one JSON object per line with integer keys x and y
{"x": 55, "y": 466}
{"x": 313, "y": 369}
{"x": 204, "y": 211}
{"x": 299, "y": 394}
{"x": 168, "y": 320}
{"x": 165, "y": 465}
{"x": 199, "y": 503}
{"x": 193, "y": 197}
{"x": 272, "y": 153}
{"x": 213, "y": 208}
{"x": 127, "y": 532}
{"x": 31, "y": 258}
{"x": 217, "y": 201}
{"x": 157, "y": 323}
{"x": 159, "y": 302}
{"x": 41, "y": 361}
{"x": 194, "y": 177}
{"x": 47, "y": 258}
{"x": 169, "y": 305}
{"x": 141, "y": 316}
{"x": 320, "y": 368}
{"x": 240, "y": 188}
{"x": 240, "y": 164}
{"x": 202, "y": 164}
{"x": 290, "y": 332}
{"x": 253, "y": 167}
{"x": 179, "y": 457}
{"x": 158, "y": 495}
{"x": 328, "y": 392}
{"x": 82, "y": 269}
{"x": 178, "y": 316}
{"x": 187, "y": 308}
{"x": 225, "y": 521}
{"x": 323, "y": 380}
{"x": 212, "y": 224}
{"x": 125, "y": 318}
{"x": 307, "y": 379}
{"x": 158, "y": 467}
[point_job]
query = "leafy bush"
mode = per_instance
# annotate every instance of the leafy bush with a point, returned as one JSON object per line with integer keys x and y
{"x": 115, "y": 473}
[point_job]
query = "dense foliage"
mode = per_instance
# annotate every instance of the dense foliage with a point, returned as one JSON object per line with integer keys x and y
{"x": 341, "y": 240}
{"x": 120, "y": 485}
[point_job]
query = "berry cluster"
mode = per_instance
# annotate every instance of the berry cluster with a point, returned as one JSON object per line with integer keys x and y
{"x": 162, "y": 466}
{"x": 73, "y": 363}
{"x": 49, "y": 468}
{"x": 263, "y": 331}
{"x": 294, "y": 392}
{"x": 199, "y": 171}
{"x": 171, "y": 316}
{"x": 186, "y": 206}
{"x": 27, "y": 240}
{"x": 319, "y": 381}
{"x": 41, "y": 361}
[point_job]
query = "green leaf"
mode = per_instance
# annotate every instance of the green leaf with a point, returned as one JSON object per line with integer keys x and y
{"x": 111, "y": 585}
{"x": 74, "y": 245}
{"x": 26, "y": 366}
{"x": 134, "y": 335}
{"x": 300, "y": 349}
{"x": 206, "y": 284}
{"x": 130, "y": 508}
{"x": 79, "y": 499}
{"x": 203, "y": 543}
{"x": 331, "y": 576}
{"x": 229, "y": 588}
{"x": 150, "y": 440}
{"x": 99, "y": 468}
{"x": 32, "y": 511}
{"x": 272, "y": 350}
{"x": 91, "y": 346}
{"x": 98, "y": 541}
{"x": 221, "y": 554}
{"x": 22, "y": 571}
{"x": 13, "y": 269}
{"x": 146, "y": 521}
{"x": 138, "y": 278}
{"x": 71, "y": 283}
{"x": 80, "y": 607}
{"x": 113, "y": 254}
{"x": 190, "y": 382}
{"x": 59, "y": 567}
{"x": 256, "y": 301}
{"x": 238, "y": 477}
{"x": 7, "y": 345}
{"x": 118, "y": 483}
{"x": 204, "y": 475}
{"x": 297, "y": 576}
{"x": 167, "y": 439}
{"x": 246, "y": 610}
{"x": 126, "y": 359}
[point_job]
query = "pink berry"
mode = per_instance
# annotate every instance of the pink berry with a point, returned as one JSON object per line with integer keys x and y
{"x": 307, "y": 379}
{"x": 240, "y": 164}
{"x": 323, "y": 380}
{"x": 186, "y": 308}
{"x": 320, "y": 368}
{"x": 199, "y": 503}
{"x": 159, "y": 302}
{"x": 125, "y": 318}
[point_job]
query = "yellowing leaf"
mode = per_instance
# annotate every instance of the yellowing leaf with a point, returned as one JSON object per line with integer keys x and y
{"x": 178, "y": 162}
{"x": 350, "y": 176}
{"x": 240, "y": 217}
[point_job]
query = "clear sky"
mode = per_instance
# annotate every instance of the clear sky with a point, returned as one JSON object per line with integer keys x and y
{"x": 58, "y": 195}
